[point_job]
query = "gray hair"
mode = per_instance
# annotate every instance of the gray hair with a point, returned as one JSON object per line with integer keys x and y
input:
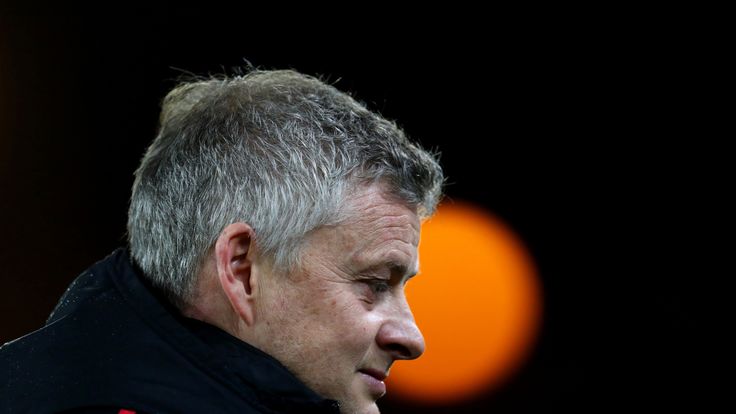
{"x": 278, "y": 150}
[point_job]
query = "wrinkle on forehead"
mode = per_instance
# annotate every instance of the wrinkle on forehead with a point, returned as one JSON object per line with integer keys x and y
{"x": 380, "y": 225}
{"x": 376, "y": 229}
{"x": 371, "y": 203}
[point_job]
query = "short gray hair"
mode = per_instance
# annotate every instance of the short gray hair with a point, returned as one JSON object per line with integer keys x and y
{"x": 278, "y": 150}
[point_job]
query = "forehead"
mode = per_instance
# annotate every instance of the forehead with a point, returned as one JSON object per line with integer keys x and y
{"x": 377, "y": 229}
{"x": 372, "y": 203}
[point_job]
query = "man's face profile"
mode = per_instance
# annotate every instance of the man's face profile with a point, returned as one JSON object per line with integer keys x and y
{"x": 273, "y": 224}
{"x": 342, "y": 319}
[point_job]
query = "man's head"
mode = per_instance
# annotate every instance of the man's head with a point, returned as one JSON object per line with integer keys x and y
{"x": 285, "y": 212}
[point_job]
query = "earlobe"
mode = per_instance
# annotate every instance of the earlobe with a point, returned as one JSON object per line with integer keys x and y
{"x": 235, "y": 269}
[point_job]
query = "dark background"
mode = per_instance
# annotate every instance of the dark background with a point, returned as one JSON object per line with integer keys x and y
{"x": 588, "y": 137}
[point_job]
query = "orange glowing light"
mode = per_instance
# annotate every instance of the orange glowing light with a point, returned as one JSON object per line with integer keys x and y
{"x": 477, "y": 301}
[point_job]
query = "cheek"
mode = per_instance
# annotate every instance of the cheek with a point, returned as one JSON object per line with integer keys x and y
{"x": 327, "y": 316}
{"x": 346, "y": 324}
{"x": 359, "y": 326}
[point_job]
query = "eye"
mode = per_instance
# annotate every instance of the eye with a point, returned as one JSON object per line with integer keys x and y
{"x": 374, "y": 289}
{"x": 378, "y": 286}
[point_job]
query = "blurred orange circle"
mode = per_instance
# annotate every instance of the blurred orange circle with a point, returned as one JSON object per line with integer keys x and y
{"x": 477, "y": 300}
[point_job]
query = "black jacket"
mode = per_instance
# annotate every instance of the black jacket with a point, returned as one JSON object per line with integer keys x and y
{"x": 114, "y": 343}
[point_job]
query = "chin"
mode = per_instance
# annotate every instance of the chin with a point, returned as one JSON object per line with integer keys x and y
{"x": 359, "y": 407}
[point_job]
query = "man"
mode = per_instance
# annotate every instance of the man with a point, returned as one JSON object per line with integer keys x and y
{"x": 273, "y": 224}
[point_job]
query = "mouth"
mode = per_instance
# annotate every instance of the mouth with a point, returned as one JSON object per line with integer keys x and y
{"x": 373, "y": 380}
{"x": 377, "y": 374}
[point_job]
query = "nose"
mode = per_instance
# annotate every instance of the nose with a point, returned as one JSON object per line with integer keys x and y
{"x": 399, "y": 334}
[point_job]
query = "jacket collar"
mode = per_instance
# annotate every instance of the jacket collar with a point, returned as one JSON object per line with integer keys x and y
{"x": 217, "y": 352}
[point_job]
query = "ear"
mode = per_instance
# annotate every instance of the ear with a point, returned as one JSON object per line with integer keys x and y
{"x": 235, "y": 268}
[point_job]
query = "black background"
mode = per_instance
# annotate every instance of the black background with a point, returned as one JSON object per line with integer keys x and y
{"x": 587, "y": 136}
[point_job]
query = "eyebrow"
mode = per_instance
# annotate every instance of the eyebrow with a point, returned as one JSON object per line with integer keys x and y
{"x": 395, "y": 269}
{"x": 402, "y": 270}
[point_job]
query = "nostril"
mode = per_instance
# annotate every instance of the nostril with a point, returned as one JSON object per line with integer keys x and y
{"x": 401, "y": 351}
{"x": 402, "y": 346}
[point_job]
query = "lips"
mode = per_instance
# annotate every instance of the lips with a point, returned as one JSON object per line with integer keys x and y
{"x": 373, "y": 380}
{"x": 377, "y": 374}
